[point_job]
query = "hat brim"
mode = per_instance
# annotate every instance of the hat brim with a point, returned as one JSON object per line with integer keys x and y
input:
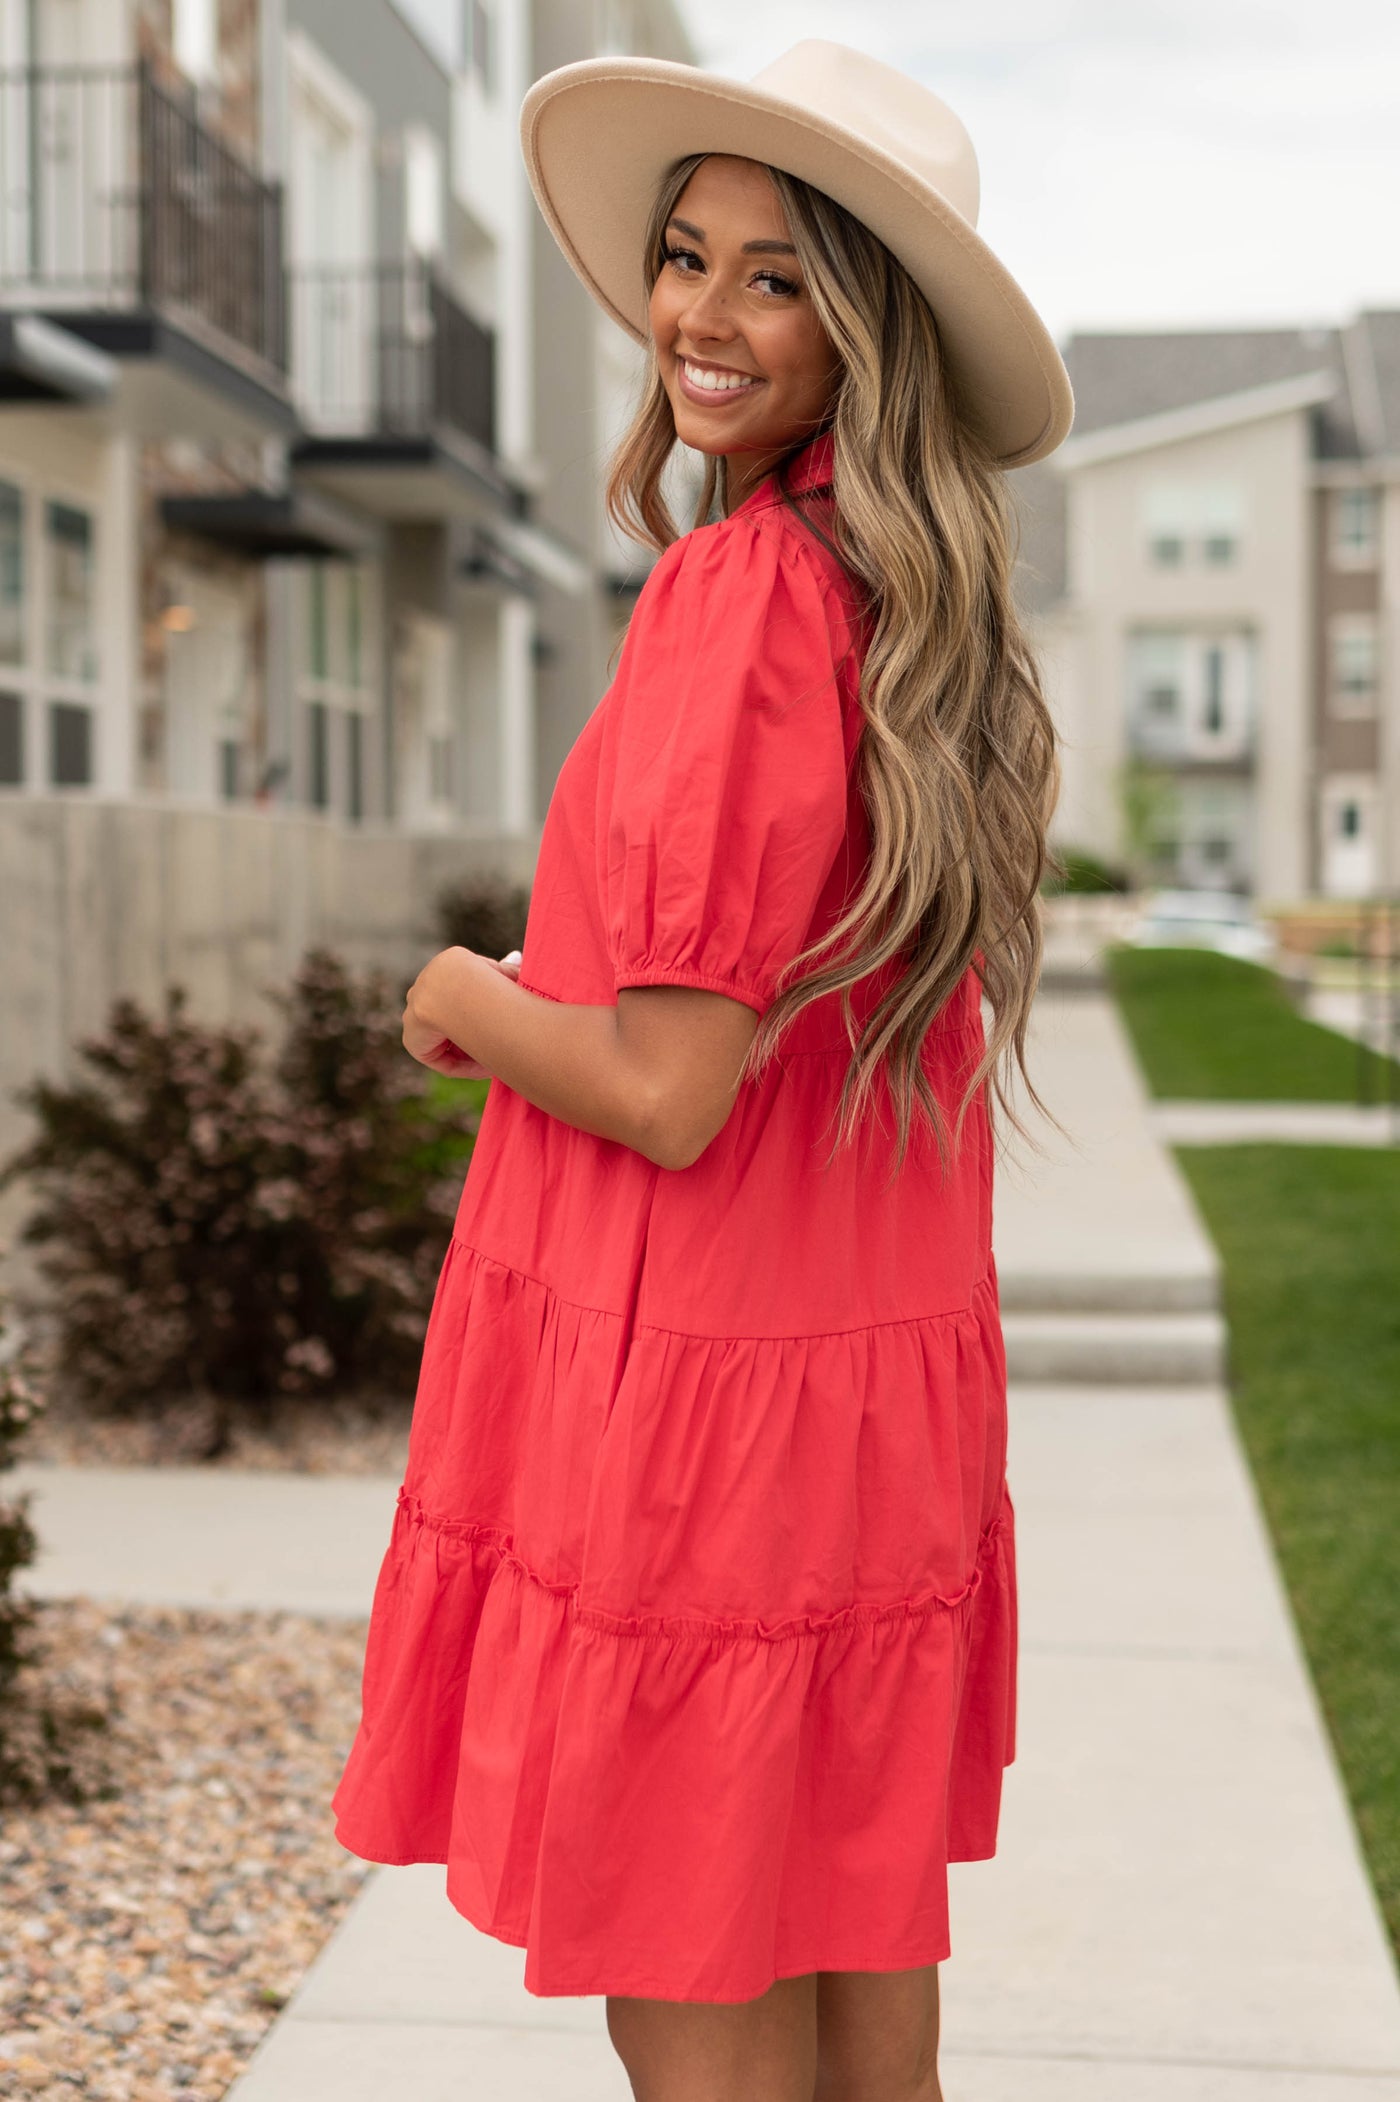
{"x": 599, "y": 135}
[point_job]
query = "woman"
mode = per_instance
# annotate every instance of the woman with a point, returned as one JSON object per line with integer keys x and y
{"x": 693, "y": 1651}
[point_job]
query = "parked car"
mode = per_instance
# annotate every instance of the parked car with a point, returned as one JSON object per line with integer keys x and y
{"x": 1204, "y": 919}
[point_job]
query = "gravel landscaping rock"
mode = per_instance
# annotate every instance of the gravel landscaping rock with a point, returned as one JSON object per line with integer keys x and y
{"x": 340, "y": 1436}
{"x": 152, "y": 1933}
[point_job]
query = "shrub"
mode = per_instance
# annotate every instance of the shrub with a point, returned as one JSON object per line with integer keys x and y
{"x": 1077, "y": 872}
{"x": 216, "y": 1224}
{"x": 483, "y": 913}
{"x": 40, "y": 1742}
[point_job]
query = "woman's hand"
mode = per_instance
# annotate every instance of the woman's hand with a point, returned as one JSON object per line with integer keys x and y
{"x": 424, "y": 1040}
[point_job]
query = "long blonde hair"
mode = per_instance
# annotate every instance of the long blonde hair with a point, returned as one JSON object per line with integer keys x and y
{"x": 958, "y": 760}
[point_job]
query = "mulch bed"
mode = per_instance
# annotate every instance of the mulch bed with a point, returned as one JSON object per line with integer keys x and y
{"x": 152, "y": 1933}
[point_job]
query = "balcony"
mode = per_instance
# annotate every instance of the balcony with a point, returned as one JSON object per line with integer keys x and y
{"x": 128, "y": 223}
{"x": 395, "y": 384}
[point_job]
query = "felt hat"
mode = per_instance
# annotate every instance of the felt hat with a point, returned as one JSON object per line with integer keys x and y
{"x": 598, "y": 137}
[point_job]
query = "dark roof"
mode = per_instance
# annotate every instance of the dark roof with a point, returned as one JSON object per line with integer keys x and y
{"x": 1119, "y": 377}
{"x": 1382, "y": 332}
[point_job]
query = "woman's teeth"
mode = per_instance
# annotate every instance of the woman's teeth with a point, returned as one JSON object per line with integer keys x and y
{"x": 716, "y": 382}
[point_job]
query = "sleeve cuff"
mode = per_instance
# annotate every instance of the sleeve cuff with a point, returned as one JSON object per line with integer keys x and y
{"x": 745, "y": 990}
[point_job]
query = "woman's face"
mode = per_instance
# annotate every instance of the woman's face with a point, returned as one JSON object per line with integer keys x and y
{"x": 729, "y": 303}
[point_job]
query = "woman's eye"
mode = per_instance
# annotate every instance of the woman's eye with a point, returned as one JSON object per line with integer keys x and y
{"x": 784, "y": 285}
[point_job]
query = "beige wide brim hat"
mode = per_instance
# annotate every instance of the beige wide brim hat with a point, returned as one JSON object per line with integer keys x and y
{"x": 598, "y": 137}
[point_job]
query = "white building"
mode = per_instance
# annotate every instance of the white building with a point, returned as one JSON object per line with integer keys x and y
{"x": 1212, "y": 564}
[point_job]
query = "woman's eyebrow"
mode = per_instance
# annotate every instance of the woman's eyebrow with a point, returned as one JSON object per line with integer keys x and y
{"x": 749, "y": 248}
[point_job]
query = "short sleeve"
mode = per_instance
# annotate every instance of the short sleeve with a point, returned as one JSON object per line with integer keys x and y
{"x": 722, "y": 783}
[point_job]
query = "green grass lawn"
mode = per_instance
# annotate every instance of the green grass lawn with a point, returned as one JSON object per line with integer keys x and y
{"x": 1209, "y": 1028}
{"x": 1310, "y": 1240}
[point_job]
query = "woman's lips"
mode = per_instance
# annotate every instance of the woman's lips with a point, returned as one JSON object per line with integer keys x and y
{"x": 710, "y": 397}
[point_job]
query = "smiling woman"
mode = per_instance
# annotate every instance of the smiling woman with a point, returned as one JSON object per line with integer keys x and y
{"x": 693, "y": 1652}
{"x": 743, "y": 355}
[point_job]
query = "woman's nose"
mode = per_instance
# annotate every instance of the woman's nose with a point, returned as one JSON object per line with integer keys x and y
{"x": 708, "y": 313}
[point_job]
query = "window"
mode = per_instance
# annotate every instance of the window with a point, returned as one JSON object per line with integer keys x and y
{"x": 71, "y": 652}
{"x": 11, "y": 740}
{"x": 1190, "y": 694}
{"x": 355, "y": 767}
{"x": 70, "y": 745}
{"x": 11, "y": 574}
{"x": 334, "y": 685}
{"x": 1213, "y": 705}
{"x": 195, "y": 36}
{"x": 1187, "y": 521}
{"x": 479, "y": 39}
{"x": 48, "y": 640}
{"x": 1355, "y": 664}
{"x": 422, "y": 190}
{"x": 1355, "y": 515}
{"x": 1349, "y": 820}
{"x": 318, "y": 764}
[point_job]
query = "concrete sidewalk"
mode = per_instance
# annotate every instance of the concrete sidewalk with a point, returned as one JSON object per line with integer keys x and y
{"x": 1178, "y": 1911}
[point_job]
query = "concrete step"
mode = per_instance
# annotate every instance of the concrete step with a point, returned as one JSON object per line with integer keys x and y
{"x": 1120, "y": 1349}
{"x": 1172, "y": 1289}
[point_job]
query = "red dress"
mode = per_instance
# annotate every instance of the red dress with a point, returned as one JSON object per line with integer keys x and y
{"x": 693, "y": 1650}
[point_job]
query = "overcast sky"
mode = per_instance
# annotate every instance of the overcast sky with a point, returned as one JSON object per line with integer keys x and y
{"x": 1144, "y": 163}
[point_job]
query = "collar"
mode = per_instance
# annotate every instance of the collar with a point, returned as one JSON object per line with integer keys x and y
{"x": 808, "y": 468}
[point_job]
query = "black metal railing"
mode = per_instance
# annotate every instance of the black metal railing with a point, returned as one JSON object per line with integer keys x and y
{"x": 384, "y": 350}
{"x": 114, "y": 195}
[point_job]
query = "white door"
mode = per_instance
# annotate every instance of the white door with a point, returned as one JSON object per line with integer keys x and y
{"x": 1350, "y": 863}
{"x": 333, "y": 286}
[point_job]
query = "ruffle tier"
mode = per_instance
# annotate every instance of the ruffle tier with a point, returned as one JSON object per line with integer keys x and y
{"x": 650, "y": 1787}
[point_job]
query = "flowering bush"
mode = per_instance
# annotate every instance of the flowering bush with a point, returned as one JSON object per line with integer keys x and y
{"x": 217, "y": 1223}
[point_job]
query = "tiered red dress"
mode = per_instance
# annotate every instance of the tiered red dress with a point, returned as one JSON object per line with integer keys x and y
{"x": 693, "y": 1651}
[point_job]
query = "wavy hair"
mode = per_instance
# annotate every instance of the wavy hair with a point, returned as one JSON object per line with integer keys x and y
{"x": 958, "y": 759}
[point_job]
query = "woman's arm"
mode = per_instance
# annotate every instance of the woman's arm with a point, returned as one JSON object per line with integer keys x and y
{"x": 658, "y": 1071}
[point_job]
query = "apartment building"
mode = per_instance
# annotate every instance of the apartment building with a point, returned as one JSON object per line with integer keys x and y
{"x": 304, "y": 584}
{"x": 1211, "y": 566}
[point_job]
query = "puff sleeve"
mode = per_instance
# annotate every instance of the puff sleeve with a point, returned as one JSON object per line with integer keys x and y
{"x": 722, "y": 783}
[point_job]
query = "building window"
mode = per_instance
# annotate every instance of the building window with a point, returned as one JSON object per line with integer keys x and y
{"x": 195, "y": 37}
{"x": 1188, "y": 520}
{"x": 1190, "y": 695}
{"x": 422, "y": 190}
{"x": 318, "y": 759}
{"x": 70, "y": 745}
{"x": 12, "y": 650}
{"x": 355, "y": 767}
{"x": 1213, "y": 702}
{"x": 11, "y": 740}
{"x": 479, "y": 38}
{"x": 71, "y": 652}
{"x": 1355, "y": 664}
{"x": 1355, "y": 517}
{"x": 333, "y": 684}
{"x": 48, "y": 641}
